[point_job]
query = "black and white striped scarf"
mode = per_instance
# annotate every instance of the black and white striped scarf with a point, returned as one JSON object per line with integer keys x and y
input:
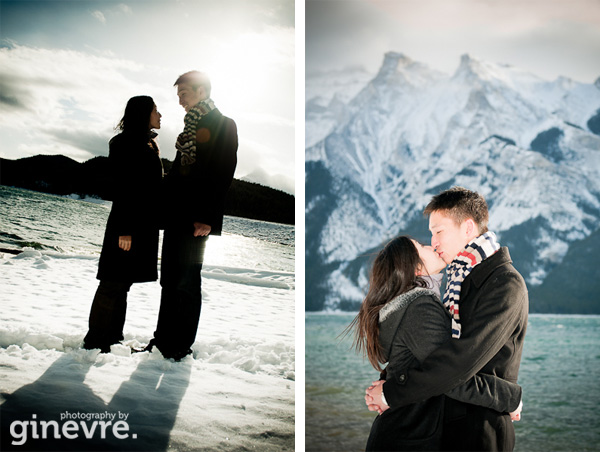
{"x": 474, "y": 253}
{"x": 186, "y": 141}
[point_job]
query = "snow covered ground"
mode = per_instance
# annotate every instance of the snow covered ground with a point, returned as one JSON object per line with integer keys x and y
{"x": 235, "y": 393}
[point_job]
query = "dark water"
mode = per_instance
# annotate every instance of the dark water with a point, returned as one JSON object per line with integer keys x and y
{"x": 559, "y": 375}
{"x": 64, "y": 225}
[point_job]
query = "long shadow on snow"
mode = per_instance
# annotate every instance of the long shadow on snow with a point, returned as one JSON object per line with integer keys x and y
{"x": 151, "y": 399}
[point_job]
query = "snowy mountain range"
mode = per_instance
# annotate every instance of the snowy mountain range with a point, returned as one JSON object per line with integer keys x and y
{"x": 379, "y": 146}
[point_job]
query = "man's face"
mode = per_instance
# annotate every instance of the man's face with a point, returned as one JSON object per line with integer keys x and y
{"x": 447, "y": 237}
{"x": 188, "y": 98}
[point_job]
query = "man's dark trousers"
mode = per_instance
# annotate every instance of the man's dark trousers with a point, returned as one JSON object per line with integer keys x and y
{"x": 181, "y": 296}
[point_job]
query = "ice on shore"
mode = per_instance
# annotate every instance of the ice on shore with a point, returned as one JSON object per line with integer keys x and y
{"x": 235, "y": 393}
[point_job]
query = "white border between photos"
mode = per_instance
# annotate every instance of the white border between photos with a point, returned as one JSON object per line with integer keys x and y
{"x": 299, "y": 227}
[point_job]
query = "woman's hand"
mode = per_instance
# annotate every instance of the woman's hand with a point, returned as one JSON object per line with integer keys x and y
{"x": 201, "y": 229}
{"x": 516, "y": 415}
{"x": 373, "y": 397}
{"x": 125, "y": 242}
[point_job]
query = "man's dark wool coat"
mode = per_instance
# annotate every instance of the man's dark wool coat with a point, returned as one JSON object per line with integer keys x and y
{"x": 197, "y": 192}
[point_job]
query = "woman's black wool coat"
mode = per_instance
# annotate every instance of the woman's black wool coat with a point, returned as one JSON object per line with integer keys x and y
{"x": 136, "y": 174}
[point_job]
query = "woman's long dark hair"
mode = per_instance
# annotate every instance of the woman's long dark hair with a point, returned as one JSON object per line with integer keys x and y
{"x": 136, "y": 119}
{"x": 394, "y": 272}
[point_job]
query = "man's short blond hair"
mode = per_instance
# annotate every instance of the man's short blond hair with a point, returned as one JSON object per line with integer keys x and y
{"x": 195, "y": 79}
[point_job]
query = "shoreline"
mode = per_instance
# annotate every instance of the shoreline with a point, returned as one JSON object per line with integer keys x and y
{"x": 236, "y": 392}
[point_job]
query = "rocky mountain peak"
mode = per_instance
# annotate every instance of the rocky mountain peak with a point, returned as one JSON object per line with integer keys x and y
{"x": 410, "y": 133}
{"x": 392, "y": 63}
{"x": 470, "y": 69}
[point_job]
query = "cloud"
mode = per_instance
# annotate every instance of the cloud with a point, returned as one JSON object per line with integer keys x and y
{"x": 93, "y": 142}
{"x": 44, "y": 79}
{"x": 120, "y": 9}
{"x": 67, "y": 102}
{"x": 266, "y": 119}
{"x": 11, "y": 101}
{"x": 100, "y": 16}
{"x": 124, "y": 8}
{"x": 63, "y": 97}
{"x": 67, "y": 74}
{"x": 277, "y": 181}
{"x": 10, "y": 97}
{"x": 437, "y": 32}
{"x": 506, "y": 17}
{"x": 265, "y": 163}
{"x": 18, "y": 91}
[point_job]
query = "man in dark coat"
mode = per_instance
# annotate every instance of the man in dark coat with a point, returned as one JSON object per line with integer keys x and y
{"x": 195, "y": 190}
{"x": 488, "y": 329}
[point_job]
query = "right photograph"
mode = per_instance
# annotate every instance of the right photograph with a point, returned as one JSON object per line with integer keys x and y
{"x": 452, "y": 225}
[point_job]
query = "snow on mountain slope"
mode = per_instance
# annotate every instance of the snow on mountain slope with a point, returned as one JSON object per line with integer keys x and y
{"x": 327, "y": 94}
{"x": 410, "y": 132}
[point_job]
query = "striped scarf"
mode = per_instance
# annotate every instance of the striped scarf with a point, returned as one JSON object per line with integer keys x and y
{"x": 186, "y": 141}
{"x": 474, "y": 253}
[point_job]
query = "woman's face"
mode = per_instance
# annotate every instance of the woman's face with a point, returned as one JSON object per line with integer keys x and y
{"x": 155, "y": 118}
{"x": 432, "y": 261}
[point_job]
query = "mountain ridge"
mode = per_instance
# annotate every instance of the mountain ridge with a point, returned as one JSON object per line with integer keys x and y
{"x": 410, "y": 132}
{"x": 61, "y": 175}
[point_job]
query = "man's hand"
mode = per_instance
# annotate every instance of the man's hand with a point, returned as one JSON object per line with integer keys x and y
{"x": 373, "y": 397}
{"x": 516, "y": 415}
{"x": 201, "y": 229}
{"x": 125, "y": 242}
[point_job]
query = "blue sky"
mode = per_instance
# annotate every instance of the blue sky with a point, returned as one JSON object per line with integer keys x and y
{"x": 548, "y": 38}
{"x": 68, "y": 67}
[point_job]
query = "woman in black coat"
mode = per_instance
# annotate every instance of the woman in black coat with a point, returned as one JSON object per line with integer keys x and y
{"x": 130, "y": 248}
{"x": 401, "y": 321}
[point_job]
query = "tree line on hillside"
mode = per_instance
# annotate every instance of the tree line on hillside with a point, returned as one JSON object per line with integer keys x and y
{"x": 60, "y": 175}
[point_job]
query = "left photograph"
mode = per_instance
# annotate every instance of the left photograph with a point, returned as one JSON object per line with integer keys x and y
{"x": 147, "y": 225}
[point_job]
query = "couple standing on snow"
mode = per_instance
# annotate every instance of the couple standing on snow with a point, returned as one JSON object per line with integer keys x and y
{"x": 188, "y": 204}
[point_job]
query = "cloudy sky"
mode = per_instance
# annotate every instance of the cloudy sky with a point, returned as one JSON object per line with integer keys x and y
{"x": 68, "y": 67}
{"x": 546, "y": 37}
